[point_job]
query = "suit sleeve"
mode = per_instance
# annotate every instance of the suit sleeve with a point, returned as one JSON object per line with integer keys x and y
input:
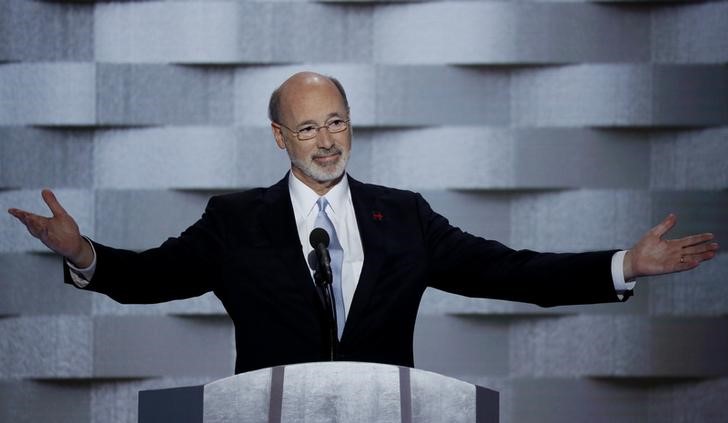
{"x": 468, "y": 265}
{"x": 182, "y": 267}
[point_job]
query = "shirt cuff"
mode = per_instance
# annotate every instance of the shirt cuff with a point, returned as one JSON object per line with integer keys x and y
{"x": 620, "y": 285}
{"x": 81, "y": 277}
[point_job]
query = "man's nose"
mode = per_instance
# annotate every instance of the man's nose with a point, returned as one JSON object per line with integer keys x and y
{"x": 324, "y": 138}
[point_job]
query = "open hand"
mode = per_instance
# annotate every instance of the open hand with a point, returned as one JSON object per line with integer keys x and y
{"x": 59, "y": 233}
{"x": 653, "y": 255}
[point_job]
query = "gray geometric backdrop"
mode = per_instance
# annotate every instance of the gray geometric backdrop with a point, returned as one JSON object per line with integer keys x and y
{"x": 559, "y": 126}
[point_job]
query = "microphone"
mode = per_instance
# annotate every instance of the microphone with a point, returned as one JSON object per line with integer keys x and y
{"x": 319, "y": 240}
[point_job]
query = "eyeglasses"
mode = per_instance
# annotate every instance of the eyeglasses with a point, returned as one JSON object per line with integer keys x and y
{"x": 310, "y": 131}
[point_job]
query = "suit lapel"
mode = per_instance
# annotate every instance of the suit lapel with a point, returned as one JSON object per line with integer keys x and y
{"x": 366, "y": 209}
{"x": 280, "y": 225}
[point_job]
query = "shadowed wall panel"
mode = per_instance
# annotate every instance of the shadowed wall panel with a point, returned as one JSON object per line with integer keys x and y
{"x": 680, "y": 402}
{"x": 134, "y": 346}
{"x": 549, "y": 125}
{"x": 134, "y": 95}
{"x": 27, "y": 401}
{"x": 45, "y": 31}
{"x": 485, "y": 158}
{"x": 30, "y": 287}
{"x": 690, "y": 160}
{"x": 231, "y": 32}
{"x": 607, "y": 400}
{"x": 700, "y": 293}
{"x": 114, "y": 347}
{"x": 504, "y": 32}
{"x": 58, "y": 150}
{"x": 47, "y": 94}
{"x": 439, "y": 95}
{"x": 561, "y": 400}
{"x": 690, "y": 33}
{"x": 702, "y": 211}
{"x": 619, "y": 346}
{"x": 631, "y": 95}
{"x": 73, "y": 400}
{"x": 446, "y": 344}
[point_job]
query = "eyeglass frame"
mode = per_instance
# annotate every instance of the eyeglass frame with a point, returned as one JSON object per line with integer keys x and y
{"x": 317, "y": 128}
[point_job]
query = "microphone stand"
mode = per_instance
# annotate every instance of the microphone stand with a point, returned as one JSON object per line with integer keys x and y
{"x": 323, "y": 283}
{"x": 319, "y": 240}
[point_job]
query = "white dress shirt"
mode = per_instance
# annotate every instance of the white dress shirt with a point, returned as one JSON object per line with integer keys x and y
{"x": 341, "y": 213}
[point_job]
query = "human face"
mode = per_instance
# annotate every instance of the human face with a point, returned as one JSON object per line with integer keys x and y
{"x": 321, "y": 161}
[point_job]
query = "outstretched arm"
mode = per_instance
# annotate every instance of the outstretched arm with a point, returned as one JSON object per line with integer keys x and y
{"x": 653, "y": 255}
{"x": 182, "y": 267}
{"x": 59, "y": 232}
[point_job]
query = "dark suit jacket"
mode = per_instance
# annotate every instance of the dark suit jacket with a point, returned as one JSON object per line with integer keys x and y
{"x": 245, "y": 248}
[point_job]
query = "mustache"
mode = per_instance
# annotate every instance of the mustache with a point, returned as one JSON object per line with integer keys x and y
{"x": 325, "y": 152}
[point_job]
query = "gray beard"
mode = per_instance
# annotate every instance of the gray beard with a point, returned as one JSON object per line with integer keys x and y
{"x": 319, "y": 173}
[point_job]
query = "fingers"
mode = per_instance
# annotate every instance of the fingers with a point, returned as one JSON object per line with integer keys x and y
{"x": 694, "y": 239}
{"x": 692, "y": 256}
{"x": 699, "y": 249}
{"x": 21, "y": 215}
{"x": 696, "y": 249}
{"x": 35, "y": 224}
{"x": 17, "y": 213}
{"x": 52, "y": 202}
{"x": 664, "y": 226}
{"x": 49, "y": 198}
{"x": 691, "y": 262}
{"x": 697, "y": 258}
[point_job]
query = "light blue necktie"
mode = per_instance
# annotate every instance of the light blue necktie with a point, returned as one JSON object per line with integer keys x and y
{"x": 337, "y": 260}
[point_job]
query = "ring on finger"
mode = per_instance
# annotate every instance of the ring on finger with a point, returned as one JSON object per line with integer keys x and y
{"x": 682, "y": 259}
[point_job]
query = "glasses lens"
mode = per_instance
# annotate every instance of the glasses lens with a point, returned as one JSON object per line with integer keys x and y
{"x": 306, "y": 133}
{"x": 337, "y": 125}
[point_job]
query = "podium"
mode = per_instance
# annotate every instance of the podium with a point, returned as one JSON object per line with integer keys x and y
{"x": 324, "y": 392}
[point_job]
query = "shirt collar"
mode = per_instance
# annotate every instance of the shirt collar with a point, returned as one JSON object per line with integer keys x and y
{"x": 304, "y": 198}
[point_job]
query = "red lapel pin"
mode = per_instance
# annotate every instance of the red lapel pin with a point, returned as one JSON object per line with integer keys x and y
{"x": 378, "y": 216}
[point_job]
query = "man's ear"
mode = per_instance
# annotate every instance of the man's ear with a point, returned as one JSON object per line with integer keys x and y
{"x": 278, "y": 135}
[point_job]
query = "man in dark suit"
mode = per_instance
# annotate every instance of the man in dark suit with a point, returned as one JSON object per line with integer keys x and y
{"x": 251, "y": 249}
